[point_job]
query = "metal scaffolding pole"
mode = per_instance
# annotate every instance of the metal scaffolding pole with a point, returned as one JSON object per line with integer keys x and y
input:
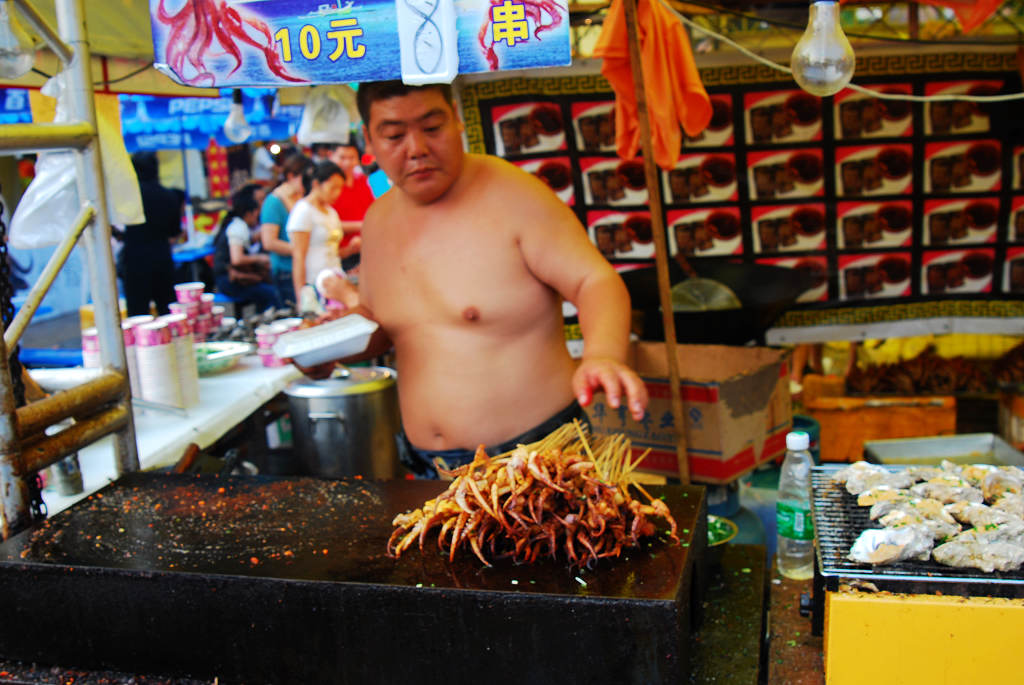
{"x": 102, "y": 278}
{"x": 103, "y": 405}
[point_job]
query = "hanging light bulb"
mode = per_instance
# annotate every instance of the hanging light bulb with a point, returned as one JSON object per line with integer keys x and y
{"x": 823, "y": 60}
{"x": 236, "y": 128}
{"x": 17, "y": 53}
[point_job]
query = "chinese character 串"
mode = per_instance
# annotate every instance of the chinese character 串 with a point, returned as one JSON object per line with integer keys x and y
{"x": 598, "y": 411}
{"x": 509, "y": 23}
{"x": 646, "y": 421}
{"x": 345, "y": 39}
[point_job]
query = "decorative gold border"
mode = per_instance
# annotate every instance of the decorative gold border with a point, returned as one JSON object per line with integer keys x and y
{"x": 847, "y": 316}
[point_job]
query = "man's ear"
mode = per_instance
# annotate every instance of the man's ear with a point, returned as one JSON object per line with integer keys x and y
{"x": 369, "y": 143}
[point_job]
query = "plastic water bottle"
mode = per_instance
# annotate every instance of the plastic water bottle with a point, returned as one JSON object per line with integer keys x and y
{"x": 793, "y": 510}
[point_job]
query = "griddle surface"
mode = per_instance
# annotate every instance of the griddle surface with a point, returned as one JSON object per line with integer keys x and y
{"x": 318, "y": 530}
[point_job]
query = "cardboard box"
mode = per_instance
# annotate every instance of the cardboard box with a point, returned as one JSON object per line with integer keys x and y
{"x": 735, "y": 400}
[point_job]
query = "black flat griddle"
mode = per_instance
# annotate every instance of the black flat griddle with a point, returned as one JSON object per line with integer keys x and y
{"x": 277, "y": 580}
{"x": 765, "y": 291}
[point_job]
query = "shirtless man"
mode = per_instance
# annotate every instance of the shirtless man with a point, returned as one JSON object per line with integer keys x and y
{"x": 465, "y": 263}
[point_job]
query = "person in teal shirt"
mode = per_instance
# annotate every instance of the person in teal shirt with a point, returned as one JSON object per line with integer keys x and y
{"x": 274, "y": 217}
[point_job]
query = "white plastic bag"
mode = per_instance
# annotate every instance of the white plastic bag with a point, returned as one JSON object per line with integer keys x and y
{"x": 327, "y": 116}
{"x": 51, "y": 203}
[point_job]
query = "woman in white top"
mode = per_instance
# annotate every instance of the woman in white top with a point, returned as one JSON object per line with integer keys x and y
{"x": 315, "y": 231}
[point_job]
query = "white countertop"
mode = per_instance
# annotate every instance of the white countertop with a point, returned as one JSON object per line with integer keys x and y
{"x": 225, "y": 399}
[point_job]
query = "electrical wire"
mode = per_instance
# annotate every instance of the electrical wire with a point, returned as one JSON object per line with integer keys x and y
{"x": 107, "y": 82}
{"x": 853, "y": 86}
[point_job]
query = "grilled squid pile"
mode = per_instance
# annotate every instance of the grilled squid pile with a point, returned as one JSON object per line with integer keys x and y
{"x": 566, "y": 496}
{"x": 961, "y": 516}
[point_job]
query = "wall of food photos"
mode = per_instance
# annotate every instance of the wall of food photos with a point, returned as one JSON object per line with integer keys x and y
{"x": 879, "y": 200}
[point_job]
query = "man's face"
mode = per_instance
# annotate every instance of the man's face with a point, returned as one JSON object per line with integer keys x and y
{"x": 347, "y": 158}
{"x": 417, "y": 141}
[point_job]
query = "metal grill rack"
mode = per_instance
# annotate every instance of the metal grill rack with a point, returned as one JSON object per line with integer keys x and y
{"x": 838, "y": 520}
{"x": 103, "y": 405}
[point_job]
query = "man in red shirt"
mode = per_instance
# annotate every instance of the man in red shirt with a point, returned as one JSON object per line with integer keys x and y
{"x": 355, "y": 197}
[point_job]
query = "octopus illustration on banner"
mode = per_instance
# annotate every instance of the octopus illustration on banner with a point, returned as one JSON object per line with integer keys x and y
{"x": 231, "y": 43}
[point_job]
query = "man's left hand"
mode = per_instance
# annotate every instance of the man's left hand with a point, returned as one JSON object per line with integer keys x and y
{"x": 616, "y": 379}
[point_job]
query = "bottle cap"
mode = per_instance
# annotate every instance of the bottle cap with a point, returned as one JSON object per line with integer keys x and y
{"x": 797, "y": 441}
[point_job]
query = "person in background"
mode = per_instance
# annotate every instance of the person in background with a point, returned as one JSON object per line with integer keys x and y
{"x": 274, "y": 217}
{"x": 264, "y": 166}
{"x": 147, "y": 269}
{"x": 465, "y": 265}
{"x": 315, "y": 231}
{"x": 320, "y": 152}
{"x": 240, "y": 272}
{"x": 355, "y": 198}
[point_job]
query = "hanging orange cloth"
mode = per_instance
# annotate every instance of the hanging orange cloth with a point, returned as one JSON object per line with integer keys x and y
{"x": 675, "y": 94}
{"x": 970, "y": 13}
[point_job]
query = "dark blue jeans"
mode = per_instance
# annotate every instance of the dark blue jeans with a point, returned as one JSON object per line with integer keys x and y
{"x": 421, "y": 462}
{"x": 263, "y": 295}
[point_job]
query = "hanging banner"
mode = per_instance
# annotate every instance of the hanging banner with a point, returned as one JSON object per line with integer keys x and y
{"x": 288, "y": 42}
{"x": 14, "y": 106}
{"x": 151, "y": 122}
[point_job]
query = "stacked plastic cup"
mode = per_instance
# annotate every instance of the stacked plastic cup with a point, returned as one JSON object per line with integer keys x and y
{"x": 266, "y": 336}
{"x": 128, "y": 326}
{"x": 158, "y": 364}
{"x": 185, "y": 356}
{"x": 91, "y": 348}
{"x": 189, "y": 292}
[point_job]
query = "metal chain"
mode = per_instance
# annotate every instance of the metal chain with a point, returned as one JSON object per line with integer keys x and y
{"x": 37, "y": 507}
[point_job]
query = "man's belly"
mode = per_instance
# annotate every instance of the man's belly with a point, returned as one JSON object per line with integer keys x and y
{"x": 465, "y": 401}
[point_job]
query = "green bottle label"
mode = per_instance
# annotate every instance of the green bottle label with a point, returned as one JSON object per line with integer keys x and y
{"x": 793, "y": 520}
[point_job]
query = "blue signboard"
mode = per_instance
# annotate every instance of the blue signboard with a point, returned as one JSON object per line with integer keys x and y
{"x": 150, "y": 122}
{"x": 14, "y": 106}
{"x": 288, "y": 42}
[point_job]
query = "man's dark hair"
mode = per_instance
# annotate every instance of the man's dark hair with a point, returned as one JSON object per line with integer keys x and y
{"x": 322, "y": 149}
{"x": 146, "y": 166}
{"x": 370, "y": 93}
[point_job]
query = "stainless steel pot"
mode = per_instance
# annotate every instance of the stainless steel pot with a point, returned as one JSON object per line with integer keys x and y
{"x": 346, "y": 425}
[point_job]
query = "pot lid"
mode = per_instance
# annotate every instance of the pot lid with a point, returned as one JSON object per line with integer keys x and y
{"x": 356, "y": 380}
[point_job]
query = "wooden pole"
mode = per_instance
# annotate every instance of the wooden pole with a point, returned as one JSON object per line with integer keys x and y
{"x": 660, "y": 243}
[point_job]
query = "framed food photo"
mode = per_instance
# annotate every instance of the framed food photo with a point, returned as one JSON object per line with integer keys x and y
{"x": 593, "y": 125}
{"x": 621, "y": 234}
{"x": 781, "y": 117}
{"x": 528, "y": 127}
{"x": 786, "y": 174}
{"x": 788, "y": 228}
{"x": 945, "y": 117}
{"x": 861, "y": 225}
{"x": 1015, "y": 231}
{"x": 1018, "y": 168}
{"x": 720, "y": 131}
{"x": 960, "y": 221}
{"x": 953, "y": 272}
{"x": 704, "y": 232}
{"x": 704, "y": 177}
{"x": 556, "y": 172}
{"x": 874, "y": 276}
{"x": 613, "y": 181}
{"x": 816, "y": 269}
{"x": 1013, "y": 273}
{"x": 858, "y": 115}
{"x": 874, "y": 170}
{"x": 965, "y": 166}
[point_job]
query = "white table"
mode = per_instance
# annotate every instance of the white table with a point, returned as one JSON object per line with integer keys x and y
{"x": 225, "y": 400}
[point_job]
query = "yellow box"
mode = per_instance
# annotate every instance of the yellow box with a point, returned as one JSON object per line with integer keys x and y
{"x": 899, "y": 639}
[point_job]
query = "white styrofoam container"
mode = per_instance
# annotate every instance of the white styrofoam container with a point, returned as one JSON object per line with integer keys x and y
{"x": 332, "y": 340}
